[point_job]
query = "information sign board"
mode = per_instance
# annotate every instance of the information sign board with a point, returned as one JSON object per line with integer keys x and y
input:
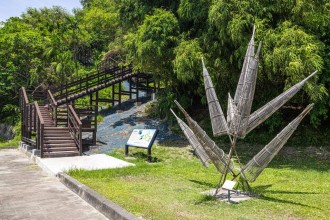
{"x": 142, "y": 137}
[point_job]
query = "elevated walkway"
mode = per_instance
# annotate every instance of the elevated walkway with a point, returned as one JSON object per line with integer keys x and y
{"x": 56, "y": 126}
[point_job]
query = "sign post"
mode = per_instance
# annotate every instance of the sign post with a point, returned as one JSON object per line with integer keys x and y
{"x": 142, "y": 138}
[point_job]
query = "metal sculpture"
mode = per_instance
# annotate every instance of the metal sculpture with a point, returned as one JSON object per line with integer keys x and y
{"x": 239, "y": 122}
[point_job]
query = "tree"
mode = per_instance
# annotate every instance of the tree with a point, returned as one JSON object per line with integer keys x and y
{"x": 151, "y": 48}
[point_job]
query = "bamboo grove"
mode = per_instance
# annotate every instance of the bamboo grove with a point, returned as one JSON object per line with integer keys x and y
{"x": 45, "y": 46}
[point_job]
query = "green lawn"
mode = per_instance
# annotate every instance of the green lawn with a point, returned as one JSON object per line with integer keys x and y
{"x": 171, "y": 187}
{"x": 9, "y": 143}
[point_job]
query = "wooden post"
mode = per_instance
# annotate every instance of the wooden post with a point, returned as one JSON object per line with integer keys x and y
{"x": 42, "y": 140}
{"x": 113, "y": 95}
{"x": 119, "y": 95}
{"x": 91, "y": 99}
{"x": 80, "y": 89}
{"x": 130, "y": 88}
{"x": 96, "y": 113}
{"x": 66, "y": 91}
{"x": 30, "y": 120}
{"x": 80, "y": 139}
{"x": 148, "y": 92}
{"x": 137, "y": 88}
{"x": 86, "y": 85}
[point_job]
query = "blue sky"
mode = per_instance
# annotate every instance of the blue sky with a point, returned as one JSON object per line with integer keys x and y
{"x": 14, "y": 8}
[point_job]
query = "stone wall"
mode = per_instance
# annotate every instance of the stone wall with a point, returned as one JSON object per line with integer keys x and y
{"x": 6, "y": 131}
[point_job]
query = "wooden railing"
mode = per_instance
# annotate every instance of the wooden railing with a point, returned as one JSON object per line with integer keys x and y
{"x": 52, "y": 106}
{"x": 88, "y": 115}
{"x": 28, "y": 117}
{"x": 107, "y": 70}
{"x": 106, "y": 64}
{"x": 89, "y": 81}
{"x": 75, "y": 128}
{"x": 40, "y": 130}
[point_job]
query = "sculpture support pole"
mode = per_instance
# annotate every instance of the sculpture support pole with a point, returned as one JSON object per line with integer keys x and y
{"x": 233, "y": 141}
{"x": 224, "y": 176}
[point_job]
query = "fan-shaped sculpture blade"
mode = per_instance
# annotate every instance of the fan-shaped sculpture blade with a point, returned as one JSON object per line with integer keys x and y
{"x": 242, "y": 113}
{"x": 217, "y": 156}
{"x": 249, "y": 53}
{"x": 231, "y": 108}
{"x": 218, "y": 121}
{"x": 267, "y": 110}
{"x": 200, "y": 152}
{"x": 259, "y": 162}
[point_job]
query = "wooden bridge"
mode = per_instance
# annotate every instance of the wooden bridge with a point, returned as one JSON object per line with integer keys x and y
{"x": 54, "y": 124}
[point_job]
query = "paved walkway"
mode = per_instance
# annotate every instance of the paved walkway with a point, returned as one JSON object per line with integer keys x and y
{"x": 116, "y": 127}
{"x": 27, "y": 192}
{"x": 54, "y": 166}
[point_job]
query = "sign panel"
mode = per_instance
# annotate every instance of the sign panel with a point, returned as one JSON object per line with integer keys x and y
{"x": 142, "y": 137}
{"x": 228, "y": 185}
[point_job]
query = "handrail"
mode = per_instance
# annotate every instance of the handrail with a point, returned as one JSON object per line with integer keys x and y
{"x": 40, "y": 130}
{"x": 90, "y": 77}
{"x": 25, "y": 95}
{"x": 41, "y": 119}
{"x": 86, "y": 79}
{"x": 51, "y": 97}
{"x": 27, "y": 115}
{"x": 107, "y": 70}
{"x": 52, "y": 106}
{"x": 75, "y": 127}
{"x": 74, "y": 114}
{"x": 91, "y": 81}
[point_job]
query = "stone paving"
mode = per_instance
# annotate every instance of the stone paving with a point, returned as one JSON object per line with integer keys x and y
{"x": 27, "y": 192}
{"x": 117, "y": 126}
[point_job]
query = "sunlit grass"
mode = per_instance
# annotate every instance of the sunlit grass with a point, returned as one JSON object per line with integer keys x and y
{"x": 9, "y": 143}
{"x": 171, "y": 188}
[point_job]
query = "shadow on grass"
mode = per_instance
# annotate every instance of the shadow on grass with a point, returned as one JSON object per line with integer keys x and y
{"x": 264, "y": 189}
{"x": 144, "y": 156}
{"x": 287, "y": 202}
{"x": 203, "y": 183}
{"x": 205, "y": 199}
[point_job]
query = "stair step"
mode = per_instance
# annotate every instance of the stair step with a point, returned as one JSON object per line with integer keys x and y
{"x": 57, "y": 128}
{"x": 60, "y": 149}
{"x": 61, "y": 153}
{"x": 55, "y": 132}
{"x": 58, "y": 138}
{"x": 57, "y": 135}
{"x": 57, "y": 145}
{"x": 59, "y": 141}
{"x": 52, "y": 136}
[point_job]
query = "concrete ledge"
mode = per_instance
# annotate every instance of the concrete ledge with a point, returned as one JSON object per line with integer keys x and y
{"x": 25, "y": 148}
{"x": 11, "y": 147}
{"x": 102, "y": 204}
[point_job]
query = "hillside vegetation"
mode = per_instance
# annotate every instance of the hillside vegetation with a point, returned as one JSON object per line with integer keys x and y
{"x": 47, "y": 46}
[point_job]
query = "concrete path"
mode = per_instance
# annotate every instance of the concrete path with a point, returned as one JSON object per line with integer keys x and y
{"x": 27, "y": 192}
{"x": 93, "y": 162}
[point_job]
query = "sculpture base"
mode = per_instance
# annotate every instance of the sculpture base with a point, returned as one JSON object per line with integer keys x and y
{"x": 235, "y": 196}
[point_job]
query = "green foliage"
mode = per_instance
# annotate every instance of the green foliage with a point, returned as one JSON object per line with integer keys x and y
{"x": 187, "y": 62}
{"x": 167, "y": 39}
{"x": 151, "y": 47}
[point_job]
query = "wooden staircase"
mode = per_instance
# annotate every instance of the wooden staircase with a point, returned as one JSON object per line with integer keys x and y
{"x": 57, "y": 141}
{"x": 56, "y": 129}
{"x": 91, "y": 84}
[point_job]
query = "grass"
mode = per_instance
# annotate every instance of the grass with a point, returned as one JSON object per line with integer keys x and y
{"x": 9, "y": 143}
{"x": 170, "y": 187}
{"x": 12, "y": 142}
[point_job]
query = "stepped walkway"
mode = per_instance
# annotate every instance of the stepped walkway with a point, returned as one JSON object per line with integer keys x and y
{"x": 26, "y": 192}
{"x": 54, "y": 125}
